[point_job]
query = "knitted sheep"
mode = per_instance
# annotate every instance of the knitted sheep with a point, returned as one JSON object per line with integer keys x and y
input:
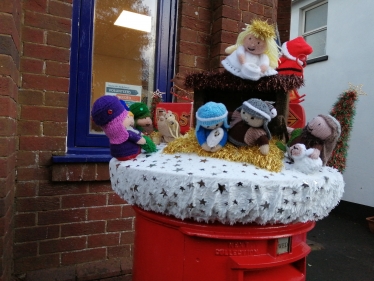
{"x": 302, "y": 160}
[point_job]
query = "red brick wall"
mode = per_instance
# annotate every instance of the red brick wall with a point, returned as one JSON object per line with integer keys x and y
{"x": 208, "y": 27}
{"x": 10, "y": 48}
{"x": 284, "y": 20}
{"x": 194, "y": 35}
{"x": 67, "y": 220}
{"x": 43, "y": 100}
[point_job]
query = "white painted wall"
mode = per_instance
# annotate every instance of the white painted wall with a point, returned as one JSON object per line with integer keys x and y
{"x": 350, "y": 50}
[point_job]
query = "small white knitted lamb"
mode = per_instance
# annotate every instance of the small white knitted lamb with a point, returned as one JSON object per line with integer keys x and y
{"x": 302, "y": 162}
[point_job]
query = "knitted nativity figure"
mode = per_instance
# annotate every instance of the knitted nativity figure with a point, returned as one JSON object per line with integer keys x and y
{"x": 301, "y": 160}
{"x": 294, "y": 55}
{"x": 168, "y": 126}
{"x": 211, "y": 126}
{"x": 150, "y": 145}
{"x": 130, "y": 121}
{"x": 151, "y": 139}
{"x": 142, "y": 116}
{"x": 108, "y": 113}
{"x": 255, "y": 53}
{"x": 321, "y": 134}
{"x": 249, "y": 124}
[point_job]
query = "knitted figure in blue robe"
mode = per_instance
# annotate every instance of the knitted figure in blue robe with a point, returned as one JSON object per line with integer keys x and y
{"x": 212, "y": 126}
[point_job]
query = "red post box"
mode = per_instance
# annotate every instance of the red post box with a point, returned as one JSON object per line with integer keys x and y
{"x": 167, "y": 248}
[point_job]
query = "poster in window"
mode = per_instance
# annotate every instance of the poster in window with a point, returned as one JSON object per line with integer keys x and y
{"x": 129, "y": 93}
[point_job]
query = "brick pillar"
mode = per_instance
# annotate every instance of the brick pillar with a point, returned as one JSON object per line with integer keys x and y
{"x": 194, "y": 36}
{"x": 284, "y": 20}
{"x": 10, "y": 20}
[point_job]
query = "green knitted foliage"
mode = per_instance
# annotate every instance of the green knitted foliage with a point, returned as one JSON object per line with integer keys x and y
{"x": 295, "y": 133}
{"x": 149, "y": 146}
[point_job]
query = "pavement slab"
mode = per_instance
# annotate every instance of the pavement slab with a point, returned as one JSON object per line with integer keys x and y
{"x": 342, "y": 246}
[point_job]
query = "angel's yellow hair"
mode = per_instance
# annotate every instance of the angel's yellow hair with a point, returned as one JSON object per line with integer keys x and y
{"x": 264, "y": 31}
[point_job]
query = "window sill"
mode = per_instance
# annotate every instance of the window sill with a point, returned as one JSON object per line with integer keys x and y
{"x": 82, "y": 158}
{"x": 318, "y": 59}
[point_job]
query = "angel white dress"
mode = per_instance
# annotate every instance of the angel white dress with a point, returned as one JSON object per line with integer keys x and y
{"x": 251, "y": 68}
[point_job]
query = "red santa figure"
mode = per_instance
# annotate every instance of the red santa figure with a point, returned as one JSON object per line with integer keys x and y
{"x": 294, "y": 55}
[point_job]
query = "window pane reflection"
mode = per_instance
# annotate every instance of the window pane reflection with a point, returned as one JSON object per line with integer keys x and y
{"x": 123, "y": 58}
{"x": 316, "y": 18}
{"x": 318, "y": 41}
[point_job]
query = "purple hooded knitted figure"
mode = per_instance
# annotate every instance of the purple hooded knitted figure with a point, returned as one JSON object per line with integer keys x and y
{"x": 108, "y": 113}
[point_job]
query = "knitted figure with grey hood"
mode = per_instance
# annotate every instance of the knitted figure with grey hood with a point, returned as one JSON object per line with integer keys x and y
{"x": 110, "y": 114}
{"x": 212, "y": 126}
{"x": 249, "y": 124}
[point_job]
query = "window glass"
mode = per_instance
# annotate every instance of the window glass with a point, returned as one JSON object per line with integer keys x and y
{"x": 123, "y": 51}
{"x": 315, "y": 28}
{"x": 117, "y": 58}
{"x": 315, "y": 18}
{"x": 318, "y": 41}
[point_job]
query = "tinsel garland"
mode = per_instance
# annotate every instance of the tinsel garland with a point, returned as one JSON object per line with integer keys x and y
{"x": 188, "y": 144}
{"x": 226, "y": 81}
{"x": 344, "y": 111}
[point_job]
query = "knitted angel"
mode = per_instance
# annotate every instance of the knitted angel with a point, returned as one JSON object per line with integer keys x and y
{"x": 255, "y": 53}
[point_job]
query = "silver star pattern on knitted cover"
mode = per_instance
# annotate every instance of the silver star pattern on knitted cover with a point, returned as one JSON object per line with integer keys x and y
{"x": 209, "y": 189}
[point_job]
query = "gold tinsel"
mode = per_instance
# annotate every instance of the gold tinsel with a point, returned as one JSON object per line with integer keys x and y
{"x": 261, "y": 29}
{"x": 156, "y": 137}
{"x": 188, "y": 144}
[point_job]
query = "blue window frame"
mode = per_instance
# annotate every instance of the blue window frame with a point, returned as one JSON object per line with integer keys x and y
{"x": 83, "y": 146}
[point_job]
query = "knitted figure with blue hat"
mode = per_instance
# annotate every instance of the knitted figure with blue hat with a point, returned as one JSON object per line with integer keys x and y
{"x": 211, "y": 126}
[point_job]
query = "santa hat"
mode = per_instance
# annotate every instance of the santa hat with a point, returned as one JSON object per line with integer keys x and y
{"x": 297, "y": 49}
